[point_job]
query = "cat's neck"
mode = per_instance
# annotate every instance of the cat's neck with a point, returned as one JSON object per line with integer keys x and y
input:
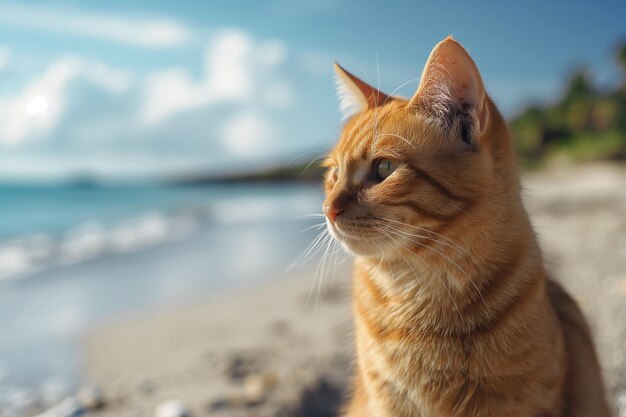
{"x": 455, "y": 284}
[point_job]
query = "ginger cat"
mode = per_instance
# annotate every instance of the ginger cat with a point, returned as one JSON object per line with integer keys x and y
{"x": 454, "y": 312}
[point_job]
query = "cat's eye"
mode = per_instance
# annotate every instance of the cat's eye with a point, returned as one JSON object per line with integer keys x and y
{"x": 385, "y": 167}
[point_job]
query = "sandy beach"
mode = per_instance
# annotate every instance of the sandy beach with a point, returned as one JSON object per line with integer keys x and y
{"x": 258, "y": 351}
{"x": 275, "y": 351}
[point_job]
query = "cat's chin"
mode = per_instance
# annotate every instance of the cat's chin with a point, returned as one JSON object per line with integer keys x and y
{"x": 359, "y": 246}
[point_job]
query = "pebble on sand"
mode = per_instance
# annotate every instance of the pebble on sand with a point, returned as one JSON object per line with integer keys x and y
{"x": 257, "y": 387}
{"x": 171, "y": 408}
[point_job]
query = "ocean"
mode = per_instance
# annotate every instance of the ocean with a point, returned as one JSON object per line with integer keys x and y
{"x": 72, "y": 257}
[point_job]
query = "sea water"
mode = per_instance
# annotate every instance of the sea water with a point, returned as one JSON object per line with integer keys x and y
{"x": 73, "y": 256}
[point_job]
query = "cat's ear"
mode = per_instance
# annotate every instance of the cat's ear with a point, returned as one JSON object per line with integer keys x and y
{"x": 355, "y": 95}
{"x": 451, "y": 85}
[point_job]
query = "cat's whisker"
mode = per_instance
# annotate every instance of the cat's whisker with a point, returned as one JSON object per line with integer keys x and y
{"x": 399, "y": 87}
{"x": 377, "y": 97}
{"x": 307, "y": 216}
{"x": 314, "y": 227}
{"x": 376, "y": 122}
{"x": 453, "y": 244}
{"x": 336, "y": 254}
{"x": 382, "y": 258}
{"x": 292, "y": 160}
{"x": 419, "y": 236}
{"x": 396, "y": 136}
{"x": 441, "y": 280}
{"x": 322, "y": 270}
{"x": 392, "y": 112}
{"x": 416, "y": 241}
{"x": 331, "y": 250}
{"x": 446, "y": 257}
{"x": 311, "y": 250}
{"x": 306, "y": 168}
{"x": 317, "y": 276}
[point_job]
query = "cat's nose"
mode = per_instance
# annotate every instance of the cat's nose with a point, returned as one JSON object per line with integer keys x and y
{"x": 331, "y": 211}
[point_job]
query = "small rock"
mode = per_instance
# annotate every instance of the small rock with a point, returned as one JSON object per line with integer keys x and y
{"x": 90, "y": 397}
{"x": 240, "y": 365}
{"x": 171, "y": 408}
{"x": 255, "y": 391}
{"x": 621, "y": 404}
{"x": 257, "y": 387}
{"x": 321, "y": 398}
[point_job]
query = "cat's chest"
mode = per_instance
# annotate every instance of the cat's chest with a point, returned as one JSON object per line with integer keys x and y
{"x": 406, "y": 372}
{"x": 414, "y": 393}
{"x": 406, "y": 365}
{"x": 405, "y": 326}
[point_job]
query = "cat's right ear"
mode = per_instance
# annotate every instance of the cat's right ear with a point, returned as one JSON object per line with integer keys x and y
{"x": 355, "y": 95}
{"x": 451, "y": 83}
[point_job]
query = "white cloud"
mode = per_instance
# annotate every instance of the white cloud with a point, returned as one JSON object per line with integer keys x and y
{"x": 38, "y": 108}
{"x": 89, "y": 117}
{"x": 228, "y": 65}
{"x": 169, "y": 92}
{"x": 248, "y": 133}
{"x": 137, "y": 32}
{"x": 237, "y": 69}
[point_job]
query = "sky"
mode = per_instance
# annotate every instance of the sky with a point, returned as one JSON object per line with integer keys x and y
{"x": 155, "y": 88}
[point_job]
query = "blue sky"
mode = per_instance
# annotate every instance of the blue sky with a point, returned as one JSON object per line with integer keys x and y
{"x": 132, "y": 89}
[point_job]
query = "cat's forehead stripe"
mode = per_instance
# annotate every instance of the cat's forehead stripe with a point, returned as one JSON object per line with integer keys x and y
{"x": 360, "y": 137}
{"x": 355, "y": 138}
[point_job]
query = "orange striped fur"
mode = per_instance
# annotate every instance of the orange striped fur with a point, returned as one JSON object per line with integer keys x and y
{"x": 454, "y": 313}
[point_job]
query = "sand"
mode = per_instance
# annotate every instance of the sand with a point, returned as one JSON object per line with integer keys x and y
{"x": 257, "y": 351}
{"x": 269, "y": 352}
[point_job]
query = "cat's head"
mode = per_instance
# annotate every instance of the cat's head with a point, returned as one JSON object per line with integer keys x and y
{"x": 403, "y": 166}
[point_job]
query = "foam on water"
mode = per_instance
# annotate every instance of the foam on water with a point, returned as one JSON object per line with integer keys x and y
{"x": 24, "y": 255}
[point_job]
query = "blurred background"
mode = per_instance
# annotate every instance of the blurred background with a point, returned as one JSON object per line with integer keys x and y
{"x": 160, "y": 154}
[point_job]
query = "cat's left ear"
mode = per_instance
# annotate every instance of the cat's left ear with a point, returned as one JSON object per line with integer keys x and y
{"x": 355, "y": 95}
{"x": 451, "y": 85}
